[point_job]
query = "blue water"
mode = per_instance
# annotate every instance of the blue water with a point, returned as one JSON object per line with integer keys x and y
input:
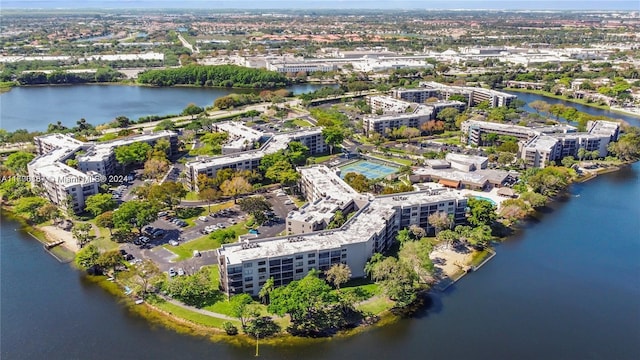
{"x": 485, "y": 198}
{"x": 33, "y": 108}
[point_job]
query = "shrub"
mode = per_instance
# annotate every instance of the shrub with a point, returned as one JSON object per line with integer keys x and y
{"x": 230, "y": 329}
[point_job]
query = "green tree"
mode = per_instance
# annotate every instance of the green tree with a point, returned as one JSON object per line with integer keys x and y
{"x": 167, "y": 194}
{"x": 540, "y": 106}
{"x": 256, "y": 206}
{"x": 80, "y": 232}
{"x": 304, "y": 300}
{"x": 209, "y": 195}
{"x": 110, "y": 260}
{"x": 398, "y": 280}
{"x": 448, "y": 115}
{"x": 48, "y": 212}
{"x": 14, "y": 188}
{"x": 192, "y": 110}
{"x": 338, "y": 274}
{"x": 30, "y": 206}
{"x": 105, "y": 220}
{"x": 266, "y": 290}
{"x": 146, "y": 276}
{"x": 337, "y": 221}
{"x": 333, "y": 136}
{"x": 18, "y": 161}
{"x": 416, "y": 255}
{"x": 122, "y": 121}
{"x": 134, "y": 213}
{"x": 240, "y": 307}
{"x": 99, "y": 203}
{"x": 87, "y": 257}
{"x": 282, "y": 172}
{"x": 481, "y": 212}
{"x": 132, "y": 154}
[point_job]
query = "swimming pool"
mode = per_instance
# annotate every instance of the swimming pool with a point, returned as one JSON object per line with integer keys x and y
{"x": 370, "y": 169}
{"x": 485, "y": 198}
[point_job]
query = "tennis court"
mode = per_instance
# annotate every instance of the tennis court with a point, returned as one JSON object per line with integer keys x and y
{"x": 371, "y": 170}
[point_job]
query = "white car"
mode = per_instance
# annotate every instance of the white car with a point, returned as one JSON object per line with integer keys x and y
{"x": 203, "y": 218}
{"x": 180, "y": 272}
{"x": 173, "y": 243}
{"x": 288, "y": 202}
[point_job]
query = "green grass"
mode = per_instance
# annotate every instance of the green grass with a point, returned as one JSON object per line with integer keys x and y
{"x": 185, "y": 251}
{"x": 320, "y": 159}
{"x": 302, "y": 123}
{"x": 479, "y": 256}
{"x": 192, "y": 316}
{"x": 376, "y": 305}
{"x": 192, "y": 196}
{"x": 407, "y": 162}
{"x": 104, "y": 242}
{"x": 561, "y": 97}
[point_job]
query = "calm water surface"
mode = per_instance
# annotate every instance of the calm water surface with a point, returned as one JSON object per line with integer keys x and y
{"x": 33, "y": 108}
{"x": 566, "y": 287}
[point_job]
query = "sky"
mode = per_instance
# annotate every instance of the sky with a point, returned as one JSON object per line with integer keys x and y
{"x": 333, "y": 4}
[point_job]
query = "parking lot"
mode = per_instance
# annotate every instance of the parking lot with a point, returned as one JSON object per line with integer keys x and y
{"x": 168, "y": 232}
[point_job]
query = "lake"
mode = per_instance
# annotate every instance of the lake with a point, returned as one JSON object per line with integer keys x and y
{"x": 565, "y": 287}
{"x": 33, "y": 108}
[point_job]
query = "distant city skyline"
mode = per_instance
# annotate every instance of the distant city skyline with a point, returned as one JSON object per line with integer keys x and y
{"x": 334, "y": 4}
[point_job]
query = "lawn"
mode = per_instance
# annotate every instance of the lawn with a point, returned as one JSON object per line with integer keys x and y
{"x": 321, "y": 159}
{"x": 185, "y": 251}
{"x": 407, "y": 162}
{"x": 191, "y": 315}
{"x": 302, "y": 123}
{"x": 376, "y": 305}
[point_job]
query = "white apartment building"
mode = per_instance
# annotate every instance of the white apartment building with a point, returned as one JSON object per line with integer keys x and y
{"x": 101, "y": 156}
{"x": 295, "y": 67}
{"x": 245, "y": 266}
{"x": 68, "y": 187}
{"x": 398, "y": 113}
{"x": 474, "y": 94}
{"x": 62, "y": 184}
{"x": 241, "y": 137}
{"x": 540, "y": 146}
{"x": 249, "y": 160}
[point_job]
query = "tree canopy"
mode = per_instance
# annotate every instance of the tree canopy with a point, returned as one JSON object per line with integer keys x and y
{"x": 220, "y": 75}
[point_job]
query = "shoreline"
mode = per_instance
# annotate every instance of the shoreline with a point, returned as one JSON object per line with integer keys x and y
{"x": 158, "y": 316}
{"x": 574, "y": 101}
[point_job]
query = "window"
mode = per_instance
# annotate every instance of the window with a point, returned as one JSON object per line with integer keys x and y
{"x": 248, "y": 278}
{"x": 323, "y": 255}
{"x": 311, "y": 262}
{"x": 261, "y": 262}
{"x": 299, "y": 271}
{"x": 262, "y": 270}
{"x": 311, "y": 255}
{"x": 247, "y": 265}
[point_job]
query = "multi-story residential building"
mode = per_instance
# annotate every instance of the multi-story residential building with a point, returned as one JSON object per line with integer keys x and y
{"x": 250, "y": 160}
{"x": 380, "y": 123}
{"x": 245, "y": 266}
{"x": 398, "y": 113}
{"x": 101, "y": 156}
{"x": 68, "y": 187}
{"x": 62, "y": 184}
{"x": 473, "y": 131}
{"x": 241, "y": 137}
{"x": 540, "y": 146}
{"x": 473, "y": 94}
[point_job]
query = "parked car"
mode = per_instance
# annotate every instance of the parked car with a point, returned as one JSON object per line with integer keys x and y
{"x": 162, "y": 213}
{"x": 196, "y": 253}
{"x": 158, "y": 233}
{"x": 173, "y": 243}
{"x": 137, "y": 242}
{"x": 172, "y": 272}
{"x": 203, "y": 218}
{"x": 129, "y": 257}
{"x": 123, "y": 252}
{"x": 253, "y": 231}
{"x": 180, "y": 272}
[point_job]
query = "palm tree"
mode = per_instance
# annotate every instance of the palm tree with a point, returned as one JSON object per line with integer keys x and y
{"x": 266, "y": 290}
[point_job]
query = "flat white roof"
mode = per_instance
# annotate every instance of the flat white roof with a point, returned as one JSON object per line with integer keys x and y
{"x": 101, "y": 151}
{"x": 61, "y": 140}
{"x": 372, "y": 219}
{"x": 276, "y": 143}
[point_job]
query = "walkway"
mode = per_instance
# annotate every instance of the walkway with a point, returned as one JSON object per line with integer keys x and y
{"x": 200, "y": 311}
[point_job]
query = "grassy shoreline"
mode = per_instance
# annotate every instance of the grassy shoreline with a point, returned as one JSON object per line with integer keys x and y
{"x": 572, "y": 100}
